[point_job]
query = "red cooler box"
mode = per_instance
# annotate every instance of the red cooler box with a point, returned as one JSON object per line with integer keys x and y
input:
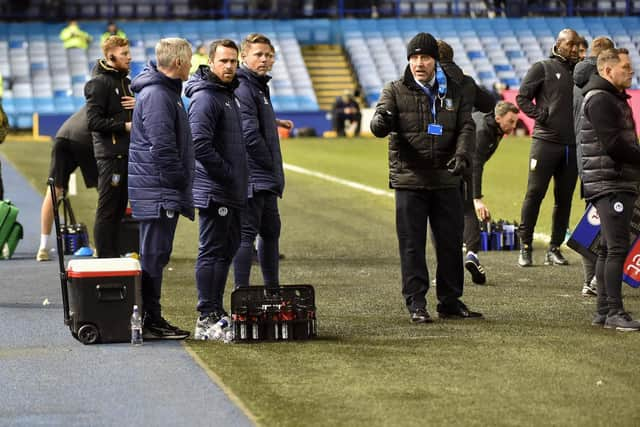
{"x": 102, "y": 293}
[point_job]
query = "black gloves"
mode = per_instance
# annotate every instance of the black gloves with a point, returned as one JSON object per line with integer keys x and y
{"x": 457, "y": 165}
{"x": 387, "y": 118}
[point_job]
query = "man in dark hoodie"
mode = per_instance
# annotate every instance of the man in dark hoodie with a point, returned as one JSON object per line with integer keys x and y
{"x": 611, "y": 178}
{"x": 109, "y": 108}
{"x": 490, "y": 128}
{"x": 481, "y": 99}
{"x": 546, "y": 95}
{"x": 266, "y": 174}
{"x": 581, "y": 75}
{"x": 430, "y": 141}
{"x": 221, "y": 177}
{"x": 161, "y": 168}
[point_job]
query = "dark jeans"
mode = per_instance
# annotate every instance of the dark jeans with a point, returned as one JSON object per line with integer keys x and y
{"x": 219, "y": 240}
{"x": 156, "y": 244}
{"x": 112, "y": 203}
{"x": 261, "y": 217}
{"x": 615, "y": 211}
{"x": 444, "y": 211}
{"x": 549, "y": 160}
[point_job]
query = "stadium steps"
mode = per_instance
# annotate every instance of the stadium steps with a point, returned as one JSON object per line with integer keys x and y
{"x": 329, "y": 71}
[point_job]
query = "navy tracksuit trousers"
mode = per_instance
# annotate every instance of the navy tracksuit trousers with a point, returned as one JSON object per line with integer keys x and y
{"x": 219, "y": 227}
{"x": 156, "y": 244}
{"x": 261, "y": 217}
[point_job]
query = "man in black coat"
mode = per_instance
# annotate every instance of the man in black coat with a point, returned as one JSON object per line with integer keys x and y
{"x": 430, "y": 140}
{"x": 546, "y": 95}
{"x": 490, "y": 128}
{"x": 611, "y": 178}
{"x": 581, "y": 75}
{"x": 481, "y": 99}
{"x": 109, "y": 109}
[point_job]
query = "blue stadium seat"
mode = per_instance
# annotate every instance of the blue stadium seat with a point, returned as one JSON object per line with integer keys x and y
{"x": 44, "y": 105}
{"x": 23, "y": 105}
{"x": 64, "y": 105}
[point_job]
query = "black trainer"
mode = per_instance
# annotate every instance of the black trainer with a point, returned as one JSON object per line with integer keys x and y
{"x": 420, "y": 315}
{"x": 555, "y": 257}
{"x": 525, "y": 258}
{"x": 160, "y": 329}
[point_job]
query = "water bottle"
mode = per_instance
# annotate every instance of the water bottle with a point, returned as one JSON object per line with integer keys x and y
{"x": 136, "y": 326}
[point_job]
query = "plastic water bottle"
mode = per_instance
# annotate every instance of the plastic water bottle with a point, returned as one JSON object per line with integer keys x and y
{"x": 136, "y": 326}
{"x": 220, "y": 328}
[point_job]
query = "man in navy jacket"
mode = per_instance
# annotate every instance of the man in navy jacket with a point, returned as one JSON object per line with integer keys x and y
{"x": 266, "y": 175}
{"x": 220, "y": 184}
{"x": 161, "y": 170}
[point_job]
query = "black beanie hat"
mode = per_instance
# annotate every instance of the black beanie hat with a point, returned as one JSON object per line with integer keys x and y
{"x": 423, "y": 43}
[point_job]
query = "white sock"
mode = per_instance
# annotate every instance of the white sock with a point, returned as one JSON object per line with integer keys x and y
{"x": 44, "y": 240}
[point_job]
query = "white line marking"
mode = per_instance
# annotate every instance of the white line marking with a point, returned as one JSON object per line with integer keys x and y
{"x": 345, "y": 182}
{"x": 368, "y": 189}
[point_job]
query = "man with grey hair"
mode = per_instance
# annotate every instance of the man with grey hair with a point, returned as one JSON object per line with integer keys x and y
{"x": 611, "y": 178}
{"x": 546, "y": 95}
{"x": 161, "y": 170}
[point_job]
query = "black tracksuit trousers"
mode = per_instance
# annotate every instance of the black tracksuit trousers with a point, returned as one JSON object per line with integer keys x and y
{"x": 112, "y": 203}
{"x": 443, "y": 210}
{"x": 615, "y": 211}
{"x": 549, "y": 160}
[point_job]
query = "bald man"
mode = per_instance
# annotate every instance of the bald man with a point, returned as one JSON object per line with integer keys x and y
{"x": 546, "y": 95}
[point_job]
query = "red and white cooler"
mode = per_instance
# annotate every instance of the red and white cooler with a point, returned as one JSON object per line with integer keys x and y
{"x": 102, "y": 293}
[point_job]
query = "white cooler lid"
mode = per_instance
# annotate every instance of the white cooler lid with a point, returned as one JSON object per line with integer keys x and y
{"x": 127, "y": 266}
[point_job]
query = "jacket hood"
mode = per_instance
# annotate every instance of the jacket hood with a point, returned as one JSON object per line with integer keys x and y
{"x": 597, "y": 82}
{"x": 152, "y": 76}
{"x": 584, "y": 70}
{"x": 245, "y": 73}
{"x": 203, "y": 79}
{"x": 452, "y": 71}
{"x": 102, "y": 67}
{"x": 567, "y": 61}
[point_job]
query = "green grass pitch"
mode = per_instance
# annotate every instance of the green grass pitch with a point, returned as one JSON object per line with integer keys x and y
{"x": 535, "y": 360}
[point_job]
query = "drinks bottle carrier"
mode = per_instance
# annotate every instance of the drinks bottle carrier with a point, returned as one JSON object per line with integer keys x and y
{"x": 74, "y": 235}
{"x": 283, "y": 314}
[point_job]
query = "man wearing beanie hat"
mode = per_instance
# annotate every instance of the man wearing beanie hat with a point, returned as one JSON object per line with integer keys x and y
{"x": 430, "y": 139}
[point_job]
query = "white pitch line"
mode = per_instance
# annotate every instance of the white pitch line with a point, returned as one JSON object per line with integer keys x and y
{"x": 345, "y": 182}
{"x": 367, "y": 188}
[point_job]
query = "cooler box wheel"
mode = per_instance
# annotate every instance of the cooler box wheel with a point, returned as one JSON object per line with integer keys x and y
{"x": 88, "y": 334}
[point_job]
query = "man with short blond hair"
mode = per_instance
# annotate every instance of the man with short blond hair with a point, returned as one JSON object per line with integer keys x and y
{"x": 581, "y": 75}
{"x": 611, "y": 178}
{"x": 266, "y": 173}
{"x": 109, "y": 109}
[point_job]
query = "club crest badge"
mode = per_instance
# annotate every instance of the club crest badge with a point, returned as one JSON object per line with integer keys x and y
{"x": 558, "y": 76}
{"x": 618, "y": 207}
{"x": 115, "y": 179}
{"x": 117, "y": 91}
{"x": 592, "y": 216}
{"x": 223, "y": 211}
{"x": 448, "y": 104}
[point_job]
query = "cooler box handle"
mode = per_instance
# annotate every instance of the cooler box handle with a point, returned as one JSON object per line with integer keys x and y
{"x": 111, "y": 292}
